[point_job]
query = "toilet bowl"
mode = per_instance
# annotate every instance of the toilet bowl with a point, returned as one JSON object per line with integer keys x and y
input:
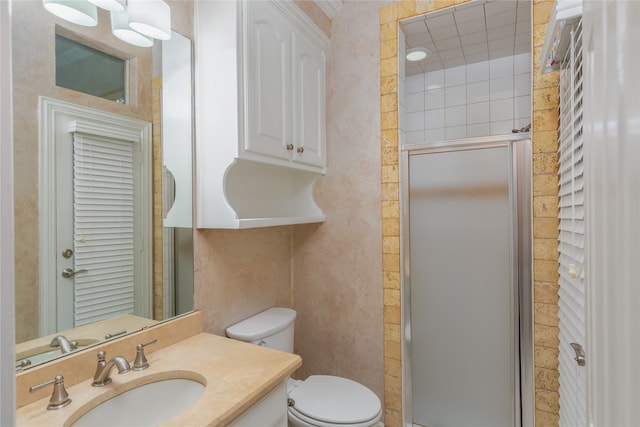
{"x": 320, "y": 400}
{"x": 329, "y": 401}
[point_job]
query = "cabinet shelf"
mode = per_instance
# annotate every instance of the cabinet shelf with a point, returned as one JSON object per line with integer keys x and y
{"x": 256, "y": 194}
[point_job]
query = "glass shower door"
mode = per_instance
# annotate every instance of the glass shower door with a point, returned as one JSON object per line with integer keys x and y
{"x": 463, "y": 289}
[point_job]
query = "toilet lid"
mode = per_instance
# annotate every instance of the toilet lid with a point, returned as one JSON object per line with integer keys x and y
{"x": 335, "y": 400}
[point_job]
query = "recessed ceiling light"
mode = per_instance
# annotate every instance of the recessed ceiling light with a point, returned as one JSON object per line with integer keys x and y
{"x": 417, "y": 54}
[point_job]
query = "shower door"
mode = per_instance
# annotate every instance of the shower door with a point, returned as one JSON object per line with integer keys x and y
{"x": 463, "y": 283}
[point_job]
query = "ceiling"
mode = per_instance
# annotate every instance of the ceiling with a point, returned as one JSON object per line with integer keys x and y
{"x": 471, "y": 32}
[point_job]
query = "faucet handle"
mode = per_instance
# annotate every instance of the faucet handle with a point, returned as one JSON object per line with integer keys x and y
{"x": 141, "y": 361}
{"x": 59, "y": 398}
{"x": 102, "y": 362}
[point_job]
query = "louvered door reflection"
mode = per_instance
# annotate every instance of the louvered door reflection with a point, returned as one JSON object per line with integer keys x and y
{"x": 571, "y": 237}
{"x": 103, "y": 209}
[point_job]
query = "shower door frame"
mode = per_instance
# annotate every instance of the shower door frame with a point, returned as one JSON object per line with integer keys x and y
{"x": 520, "y": 195}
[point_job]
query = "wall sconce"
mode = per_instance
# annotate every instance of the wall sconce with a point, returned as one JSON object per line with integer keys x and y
{"x": 137, "y": 23}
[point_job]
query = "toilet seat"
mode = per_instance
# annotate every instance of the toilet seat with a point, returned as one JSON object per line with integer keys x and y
{"x": 328, "y": 401}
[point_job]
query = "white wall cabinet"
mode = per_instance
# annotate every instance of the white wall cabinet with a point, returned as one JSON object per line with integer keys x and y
{"x": 268, "y": 82}
{"x": 260, "y": 114}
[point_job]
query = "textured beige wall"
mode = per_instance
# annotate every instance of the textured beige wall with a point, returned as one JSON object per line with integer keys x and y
{"x": 545, "y": 223}
{"x": 241, "y": 272}
{"x": 337, "y": 282}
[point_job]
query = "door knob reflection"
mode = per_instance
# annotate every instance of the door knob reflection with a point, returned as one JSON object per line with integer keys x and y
{"x": 68, "y": 273}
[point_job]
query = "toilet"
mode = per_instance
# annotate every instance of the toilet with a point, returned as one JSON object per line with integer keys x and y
{"x": 320, "y": 400}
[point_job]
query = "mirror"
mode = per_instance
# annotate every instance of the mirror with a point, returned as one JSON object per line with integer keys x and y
{"x": 157, "y": 99}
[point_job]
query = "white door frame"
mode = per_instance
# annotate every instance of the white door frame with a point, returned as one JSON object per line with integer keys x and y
{"x": 107, "y": 125}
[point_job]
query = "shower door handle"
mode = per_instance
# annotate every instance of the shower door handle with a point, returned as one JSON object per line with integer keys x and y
{"x": 580, "y": 357}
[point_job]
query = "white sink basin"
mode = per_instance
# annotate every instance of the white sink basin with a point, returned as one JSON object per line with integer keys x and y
{"x": 147, "y": 405}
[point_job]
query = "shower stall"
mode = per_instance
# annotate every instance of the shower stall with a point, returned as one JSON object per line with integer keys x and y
{"x": 467, "y": 292}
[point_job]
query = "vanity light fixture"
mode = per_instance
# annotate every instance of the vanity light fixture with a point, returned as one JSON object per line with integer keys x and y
{"x": 79, "y": 12}
{"x": 110, "y": 5}
{"x": 151, "y": 18}
{"x": 136, "y": 22}
{"x": 121, "y": 29}
{"x": 417, "y": 54}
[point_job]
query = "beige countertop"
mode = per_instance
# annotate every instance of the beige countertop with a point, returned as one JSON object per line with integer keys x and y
{"x": 236, "y": 375}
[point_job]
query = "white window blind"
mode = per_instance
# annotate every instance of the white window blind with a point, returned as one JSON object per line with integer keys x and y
{"x": 103, "y": 207}
{"x": 571, "y": 235}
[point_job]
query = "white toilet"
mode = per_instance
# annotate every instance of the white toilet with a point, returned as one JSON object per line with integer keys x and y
{"x": 320, "y": 400}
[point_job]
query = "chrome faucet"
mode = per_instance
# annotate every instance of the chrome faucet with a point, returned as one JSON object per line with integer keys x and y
{"x": 65, "y": 345}
{"x": 103, "y": 371}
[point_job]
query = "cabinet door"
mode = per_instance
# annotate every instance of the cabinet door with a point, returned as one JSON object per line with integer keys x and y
{"x": 308, "y": 101}
{"x": 270, "y": 411}
{"x": 268, "y": 77}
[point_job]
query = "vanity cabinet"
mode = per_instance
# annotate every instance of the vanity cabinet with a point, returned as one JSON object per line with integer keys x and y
{"x": 260, "y": 114}
{"x": 270, "y": 411}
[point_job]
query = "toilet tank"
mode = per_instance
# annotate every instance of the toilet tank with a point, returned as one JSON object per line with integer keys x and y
{"x": 271, "y": 328}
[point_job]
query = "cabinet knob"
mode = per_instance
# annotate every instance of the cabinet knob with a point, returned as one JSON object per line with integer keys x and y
{"x": 289, "y": 147}
{"x": 300, "y": 150}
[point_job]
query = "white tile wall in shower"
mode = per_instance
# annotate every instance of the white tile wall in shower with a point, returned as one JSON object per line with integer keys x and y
{"x": 414, "y": 83}
{"x": 455, "y": 95}
{"x": 434, "y": 99}
{"x": 414, "y": 102}
{"x": 433, "y": 79}
{"x": 485, "y": 98}
{"x": 478, "y": 91}
{"x": 455, "y": 76}
{"x": 478, "y": 72}
{"x": 414, "y": 121}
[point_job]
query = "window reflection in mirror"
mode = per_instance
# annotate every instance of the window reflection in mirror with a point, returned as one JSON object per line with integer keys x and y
{"x": 88, "y": 70}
